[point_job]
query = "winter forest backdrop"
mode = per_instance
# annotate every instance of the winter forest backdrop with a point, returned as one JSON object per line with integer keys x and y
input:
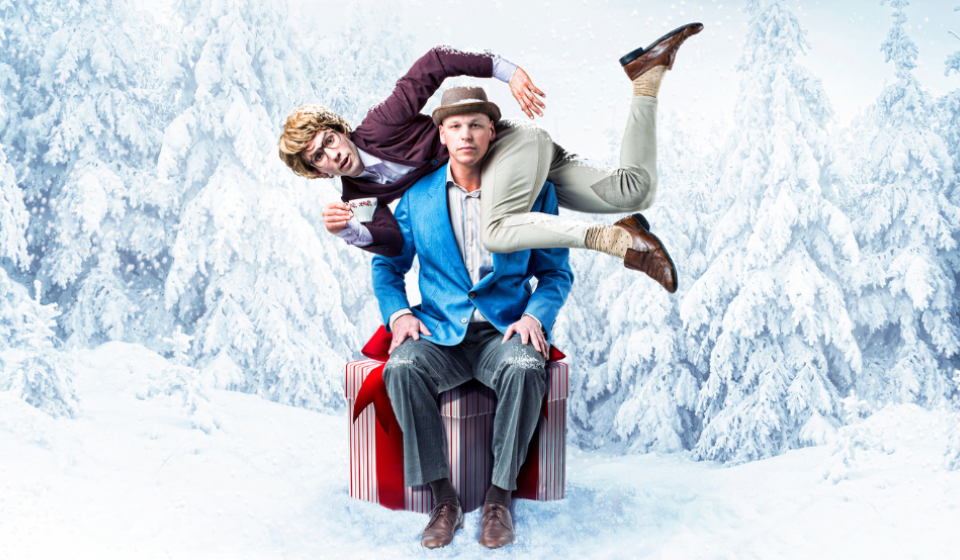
{"x": 141, "y": 200}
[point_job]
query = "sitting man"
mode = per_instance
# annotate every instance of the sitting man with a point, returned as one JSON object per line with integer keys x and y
{"x": 479, "y": 320}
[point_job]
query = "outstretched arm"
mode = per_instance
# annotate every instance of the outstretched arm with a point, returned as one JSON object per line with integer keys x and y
{"x": 424, "y": 79}
{"x": 427, "y": 74}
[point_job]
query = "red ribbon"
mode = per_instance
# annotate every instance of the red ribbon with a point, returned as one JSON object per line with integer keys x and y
{"x": 374, "y": 390}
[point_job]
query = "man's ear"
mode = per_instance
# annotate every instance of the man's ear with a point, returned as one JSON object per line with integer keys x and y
{"x": 493, "y": 131}
{"x": 443, "y": 139}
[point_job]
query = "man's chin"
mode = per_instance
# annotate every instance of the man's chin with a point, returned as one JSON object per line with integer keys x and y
{"x": 469, "y": 161}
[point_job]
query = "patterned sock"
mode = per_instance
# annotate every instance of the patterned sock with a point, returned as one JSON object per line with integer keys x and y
{"x": 443, "y": 491}
{"x": 497, "y": 495}
{"x": 612, "y": 240}
{"x": 648, "y": 83}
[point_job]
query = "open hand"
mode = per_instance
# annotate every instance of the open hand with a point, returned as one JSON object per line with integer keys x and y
{"x": 529, "y": 330}
{"x": 523, "y": 90}
{"x": 335, "y": 216}
{"x": 404, "y": 327}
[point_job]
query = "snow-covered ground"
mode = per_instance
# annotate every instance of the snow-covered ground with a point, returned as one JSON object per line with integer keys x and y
{"x": 130, "y": 478}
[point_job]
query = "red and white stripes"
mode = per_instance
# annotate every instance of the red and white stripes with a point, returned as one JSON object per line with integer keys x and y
{"x": 553, "y": 431}
{"x": 363, "y": 433}
{"x": 467, "y": 412}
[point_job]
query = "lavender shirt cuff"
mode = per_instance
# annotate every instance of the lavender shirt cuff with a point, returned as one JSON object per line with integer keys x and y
{"x": 535, "y": 319}
{"x": 356, "y": 234}
{"x": 503, "y": 69}
{"x": 397, "y": 314}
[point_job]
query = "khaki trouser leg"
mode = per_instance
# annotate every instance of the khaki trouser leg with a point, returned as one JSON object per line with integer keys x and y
{"x": 523, "y": 157}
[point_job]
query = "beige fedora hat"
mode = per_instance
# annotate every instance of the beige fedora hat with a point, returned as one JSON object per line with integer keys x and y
{"x": 464, "y": 100}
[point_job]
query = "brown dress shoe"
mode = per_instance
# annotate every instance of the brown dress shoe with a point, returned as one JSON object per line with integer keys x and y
{"x": 445, "y": 519}
{"x": 496, "y": 526}
{"x": 661, "y": 53}
{"x": 648, "y": 255}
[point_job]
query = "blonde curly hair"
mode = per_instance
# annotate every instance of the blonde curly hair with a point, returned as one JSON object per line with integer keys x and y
{"x": 302, "y": 125}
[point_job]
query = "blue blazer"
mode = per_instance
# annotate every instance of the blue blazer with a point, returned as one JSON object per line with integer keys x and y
{"x": 503, "y": 296}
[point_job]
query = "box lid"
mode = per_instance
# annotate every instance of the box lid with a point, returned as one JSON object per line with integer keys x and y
{"x": 471, "y": 398}
{"x": 356, "y": 373}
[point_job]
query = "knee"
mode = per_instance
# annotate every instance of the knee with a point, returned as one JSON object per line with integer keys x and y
{"x": 402, "y": 371}
{"x": 651, "y": 194}
{"x": 632, "y": 190}
{"x": 523, "y": 369}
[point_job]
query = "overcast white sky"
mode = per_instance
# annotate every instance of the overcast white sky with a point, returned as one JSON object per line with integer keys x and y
{"x": 570, "y": 49}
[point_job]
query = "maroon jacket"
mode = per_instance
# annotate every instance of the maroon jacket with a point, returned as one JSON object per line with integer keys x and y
{"x": 397, "y": 132}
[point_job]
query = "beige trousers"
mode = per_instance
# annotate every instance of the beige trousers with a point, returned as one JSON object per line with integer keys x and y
{"x": 523, "y": 157}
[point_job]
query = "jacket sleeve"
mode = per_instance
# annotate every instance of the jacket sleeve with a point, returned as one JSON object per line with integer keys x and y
{"x": 386, "y": 234}
{"x": 424, "y": 78}
{"x": 551, "y": 268}
{"x": 388, "y": 272}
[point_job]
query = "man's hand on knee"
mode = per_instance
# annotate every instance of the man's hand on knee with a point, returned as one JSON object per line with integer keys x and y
{"x": 407, "y": 326}
{"x": 530, "y": 331}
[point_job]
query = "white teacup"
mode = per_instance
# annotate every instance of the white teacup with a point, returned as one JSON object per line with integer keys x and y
{"x": 363, "y": 208}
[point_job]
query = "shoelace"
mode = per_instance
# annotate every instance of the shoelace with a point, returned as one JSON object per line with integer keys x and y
{"x": 438, "y": 511}
{"x": 495, "y": 511}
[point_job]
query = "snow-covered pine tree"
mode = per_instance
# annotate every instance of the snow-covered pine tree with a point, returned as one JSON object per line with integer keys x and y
{"x": 182, "y": 383}
{"x": 87, "y": 135}
{"x": 14, "y": 217}
{"x": 950, "y": 110}
{"x": 908, "y": 223}
{"x": 252, "y": 279}
{"x": 41, "y": 375}
{"x": 24, "y": 27}
{"x": 770, "y": 308}
{"x": 363, "y": 58}
{"x": 634, "y": 382}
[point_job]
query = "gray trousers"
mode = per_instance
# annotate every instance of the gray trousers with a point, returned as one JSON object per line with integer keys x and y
{"x": 419, "y": 370}
{"x": 522, "y": 157}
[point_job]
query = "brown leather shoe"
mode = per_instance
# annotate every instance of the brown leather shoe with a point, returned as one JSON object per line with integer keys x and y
{"x": 496, "y": 526}
{"x": 648, "y": 255}
{"x": 445, "y": 519}
{"x": 661, "y": 52}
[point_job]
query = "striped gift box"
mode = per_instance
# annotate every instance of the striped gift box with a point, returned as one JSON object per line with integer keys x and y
{"x": 376, "y": 468}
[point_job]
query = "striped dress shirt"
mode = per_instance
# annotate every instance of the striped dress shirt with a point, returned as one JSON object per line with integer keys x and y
{"x": 465, "y": 219}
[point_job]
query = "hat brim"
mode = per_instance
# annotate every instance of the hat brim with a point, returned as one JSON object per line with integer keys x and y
{"x": 485, "y": 107}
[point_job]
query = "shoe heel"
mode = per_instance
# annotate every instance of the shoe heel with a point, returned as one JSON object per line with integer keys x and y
{"x": 643, "y": 221}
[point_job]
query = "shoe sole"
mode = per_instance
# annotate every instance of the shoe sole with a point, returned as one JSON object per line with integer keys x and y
{"x": 636, "y": 53}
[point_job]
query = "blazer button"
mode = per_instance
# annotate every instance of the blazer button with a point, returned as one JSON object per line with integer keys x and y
{"x": 472, "y": 295}
{"x": 464, "y": 321}
{"x": 433, "y": 162}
